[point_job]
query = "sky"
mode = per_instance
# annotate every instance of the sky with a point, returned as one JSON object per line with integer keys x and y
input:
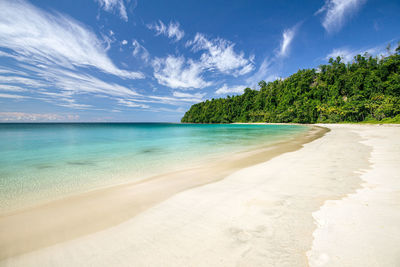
{"x": 149, "y": 61}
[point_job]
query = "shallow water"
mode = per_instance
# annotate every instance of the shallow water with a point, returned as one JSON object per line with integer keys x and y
{"x": 43, "y": 161}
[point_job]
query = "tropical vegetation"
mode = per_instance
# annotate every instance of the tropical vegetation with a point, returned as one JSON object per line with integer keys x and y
{"x": 364, "y": 90}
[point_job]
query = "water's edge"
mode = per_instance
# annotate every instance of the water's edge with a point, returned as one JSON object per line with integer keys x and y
{"x": 93, "y": 211}
{"x": 46, "y": 162}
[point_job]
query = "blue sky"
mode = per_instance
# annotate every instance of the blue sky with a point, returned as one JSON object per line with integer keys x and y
{"x": 121, "y": 60}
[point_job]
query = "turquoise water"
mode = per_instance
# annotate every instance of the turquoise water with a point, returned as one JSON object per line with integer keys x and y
{"x": 45, "y": 161}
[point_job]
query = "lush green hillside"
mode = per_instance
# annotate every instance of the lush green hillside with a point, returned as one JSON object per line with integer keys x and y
{"x": 368, "y": 89}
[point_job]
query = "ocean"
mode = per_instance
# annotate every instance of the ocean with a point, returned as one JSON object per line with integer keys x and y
{"x": 45, "y": 161}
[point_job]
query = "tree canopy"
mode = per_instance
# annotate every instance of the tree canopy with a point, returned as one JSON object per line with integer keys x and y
{"x": 366, "y": 89}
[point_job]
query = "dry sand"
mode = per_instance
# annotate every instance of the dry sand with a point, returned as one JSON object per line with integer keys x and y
{"x": 334, "y": 202}
{"x": 363, "y": 229}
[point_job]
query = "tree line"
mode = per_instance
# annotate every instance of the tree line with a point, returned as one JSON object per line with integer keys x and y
{"x": 366, "y": 89}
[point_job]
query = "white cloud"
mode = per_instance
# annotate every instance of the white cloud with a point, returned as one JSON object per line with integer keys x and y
{"x": 21, "y": 116}
{"x": 11, "y": 88}
{"x": 261, "y": 73}
{"x": 76, "y": 83}
{"x": 178, "y": 98}
{"x": 63, "y": 99}
{"x": 159, "y": 28}
{"x": 10, "y": 71}
{"x": 182, "y": 94}
{"x": 12, "y": 96}
{"x": 348, "y": 54}
{"x": 221, "y": 56}
{"x": 265, "y": 72}
{"x": 114, "y": 5}
{"x": 337, "y": 12}
{"x": 179, "y": 110}
{"x": 172, "y": 30}
{"x": 132, "y": 104}
{"x": 344, "y": 53}
{"x": 70, "y": 103}
{"x": 39, "y": 37}
{"x": 124, "y": 42}
{"x": 56, "y": 51}
{"x": 59, "y": 86}
{"x": 174, "y": 72}
{"x": 287, "y": 38}
{"x": 32, "y": 83}
{"x": 71, "y": 84}
{"x": 225, "y": 89}
{"x": 140, "y": 51}
{"x": 269, "y": 69}
{"x": 246, "y": 69}
{"x": 197, "y": 97}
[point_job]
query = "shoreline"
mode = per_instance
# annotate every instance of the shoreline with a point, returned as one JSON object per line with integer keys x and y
{"x": 30, "y": 229}
{"x": 334, "y": 202}
{"x": 18, "y": 199}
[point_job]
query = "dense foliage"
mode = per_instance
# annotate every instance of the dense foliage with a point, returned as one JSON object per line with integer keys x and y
{"x": 367, "y": 89}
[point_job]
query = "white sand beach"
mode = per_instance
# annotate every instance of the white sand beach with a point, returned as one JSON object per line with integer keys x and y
{"x": 333, "y": 202}
{"x": 363, "y": 229}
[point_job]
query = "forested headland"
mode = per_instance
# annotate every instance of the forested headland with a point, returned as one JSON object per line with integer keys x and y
{"x": 364, "y": 90}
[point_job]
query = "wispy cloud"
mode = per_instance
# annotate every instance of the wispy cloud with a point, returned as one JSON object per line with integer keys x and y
{"x": 337, "y": 12}
{"x": 75, "y": 82}
{"x": 60, "y": 86}
{"x": 114, "y": 6}
{"x": 265, "y": 72}
{"x": 225, "y": 89}
{"x": 140, "y": 51}
{"x": 12, "y": 96}
{"x": 4, "y": 70}
{"x": 348, "y": 54}
{"x": 22, "y": 116}
{"x": 39, "y": 37}
{"x": 270, "y": 67}
{"x": 132, "y": 104}
{"x": 187, "y": 97}
{"x": 11, "y": 88}
{"x": 71, "y": 103}
{"x": 172, "y": 30}
{"x": 177, "y": 110}
{"x": 177, "y": 99}
{"x": 26, "y": 82}
{"x": 220, "y": 55}
{"x": 287, "y": 38}
{"x": 176, "y": 72}
{"x": 52, "y": 56}
{"x": 268, "y": 71}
